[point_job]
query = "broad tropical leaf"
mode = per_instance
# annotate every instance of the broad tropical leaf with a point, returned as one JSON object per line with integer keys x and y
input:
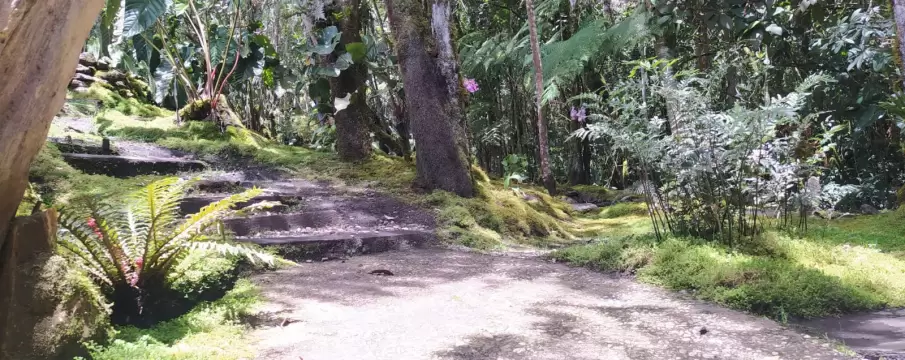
{"x": 139, "y": 15}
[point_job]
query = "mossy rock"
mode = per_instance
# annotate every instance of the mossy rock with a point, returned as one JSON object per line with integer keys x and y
{"x": 197, "y": 110}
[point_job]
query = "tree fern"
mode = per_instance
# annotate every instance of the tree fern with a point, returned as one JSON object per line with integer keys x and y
{"x": 131, "y": 248}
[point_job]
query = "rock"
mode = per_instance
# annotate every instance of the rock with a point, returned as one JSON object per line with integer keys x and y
{"x": 586, "y": 207}
{"x": 82, "y": 69}
{"x": 77, "y": 85}
{"x": 87, "y": 79}
{"x": 869, "y": 210}
{"x": 115, "y": 77}
{"x": 569, "y": 200}
{"x": 103, "y": 63}
{"x": 88, "y": 59}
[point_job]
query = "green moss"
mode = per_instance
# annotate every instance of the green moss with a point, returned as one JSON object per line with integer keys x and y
{"x": 57, "y": 183}
{"x": 209, "y": 332}
{"x": 623, "y": 209}
{"x": 850, "y": 265}
{"x": 109, "y": 99}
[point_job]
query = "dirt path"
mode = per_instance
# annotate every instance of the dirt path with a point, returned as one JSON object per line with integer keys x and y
{"x": 444, "y": 304}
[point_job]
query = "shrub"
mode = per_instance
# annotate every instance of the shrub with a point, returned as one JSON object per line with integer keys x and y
{"x": 131, "y": 251}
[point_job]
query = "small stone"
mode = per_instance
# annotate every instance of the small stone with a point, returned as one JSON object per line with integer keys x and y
{"x": 775, "y": 353}
{"x": 308, "y": 261}
{"x": 325, "y": 259}
{"x": 519, "y": 350}
{"x": 576, "y": 331}
{"x": 806, "y": 336}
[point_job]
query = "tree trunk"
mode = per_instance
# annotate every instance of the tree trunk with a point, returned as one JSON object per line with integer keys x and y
{"x": 353, "y": 138}
{"x": 898, "y": 7}
{"x": 430, "y": 76}
{"x": 40, "y": 41}
{"x": 543, "y": 146}
{"x": 580, "y": 167}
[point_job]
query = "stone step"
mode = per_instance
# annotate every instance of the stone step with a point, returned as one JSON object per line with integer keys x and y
{"x": 128, "y": 166}
{"x": 342, "y": 244}
{"x": 244, "y": 226}
{"x": 194, "y": 204}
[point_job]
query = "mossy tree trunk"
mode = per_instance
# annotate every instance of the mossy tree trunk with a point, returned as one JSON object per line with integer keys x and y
{"x": 353, "y": 139}
{"x": 430, "y": 73}
{"x": 40, "y": 42}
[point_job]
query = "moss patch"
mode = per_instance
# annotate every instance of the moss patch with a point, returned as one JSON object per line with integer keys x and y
{"x": 109, "y": 99}
{"x": 846, "y": 266}
{"x": 210, "y": 331}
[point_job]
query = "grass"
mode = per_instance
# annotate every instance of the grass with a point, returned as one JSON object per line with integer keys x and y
{"x": 841, "y": 267}
{"x": 211, "y": 331}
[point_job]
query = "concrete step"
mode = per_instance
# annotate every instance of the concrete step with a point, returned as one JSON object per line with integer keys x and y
{"x": 342, "y": 244}
{"x": 128, "y": 166}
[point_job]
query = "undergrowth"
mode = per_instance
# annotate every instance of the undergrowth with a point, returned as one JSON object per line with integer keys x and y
{"x": 211, "y": 331}
{"x": 845, "y": 266}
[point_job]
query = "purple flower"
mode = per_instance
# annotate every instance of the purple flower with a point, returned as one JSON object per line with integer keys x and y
{"x": 470, "y": 85}
{"x": 579, "y": 114}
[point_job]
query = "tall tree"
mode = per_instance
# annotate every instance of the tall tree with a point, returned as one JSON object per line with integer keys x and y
{"x": 543, "y": 144}
{"x": 898, "y": 8}
{"x": 353, "y": 139}
{"x": 40, "y": 42}
{"x": 430, "y": 75}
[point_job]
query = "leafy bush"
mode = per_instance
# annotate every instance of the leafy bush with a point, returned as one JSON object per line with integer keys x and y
{"x": 131, "y": 251}
{"x": 715, "y": 164}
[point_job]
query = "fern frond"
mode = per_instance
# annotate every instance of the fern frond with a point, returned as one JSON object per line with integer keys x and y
{"x": 201, "y": 221}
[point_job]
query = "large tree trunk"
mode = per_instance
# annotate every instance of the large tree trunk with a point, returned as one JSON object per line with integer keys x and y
{"x": 40, "y": 41}
{"x": 898, "y": 7}
{"x": 543, "y": 146}
{"x": 430, "y": 74}
{"x": 353, "y": 139}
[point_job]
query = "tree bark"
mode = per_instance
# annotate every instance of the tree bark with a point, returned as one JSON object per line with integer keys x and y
{"x": 353, "y": 138}
{"x": 543, "y": 146}
{"x": 898, "y": 7}
{"x": 430, "y": 75}
{"x": 40, "y": 41}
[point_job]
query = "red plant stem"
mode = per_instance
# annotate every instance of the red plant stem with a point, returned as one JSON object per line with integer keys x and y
{"x": 225, "y": 80}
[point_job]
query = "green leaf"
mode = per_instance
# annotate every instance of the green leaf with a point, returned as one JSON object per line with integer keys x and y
{"x": 139, "y": 15}
{"x": 358, "y": 51}
{"x": 163, "y": 81}
{"x": 344, "y": 61}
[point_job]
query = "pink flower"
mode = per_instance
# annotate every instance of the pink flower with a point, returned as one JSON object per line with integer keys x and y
{"x": 471, "y": 85}
{"x": 579, "y": 114}
{"x": 139, "y": 263}
{"x": 92, "y": 223}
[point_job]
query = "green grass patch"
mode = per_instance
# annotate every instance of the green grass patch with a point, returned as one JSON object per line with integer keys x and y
{"x": 212, "y": 331}
{"x": 851, "y": 265}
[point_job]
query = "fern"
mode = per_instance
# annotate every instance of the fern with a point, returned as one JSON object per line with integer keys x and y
{"x": 132, "y": 247}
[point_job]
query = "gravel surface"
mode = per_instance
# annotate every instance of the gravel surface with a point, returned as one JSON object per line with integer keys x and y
{"x": 445, "y": 304}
